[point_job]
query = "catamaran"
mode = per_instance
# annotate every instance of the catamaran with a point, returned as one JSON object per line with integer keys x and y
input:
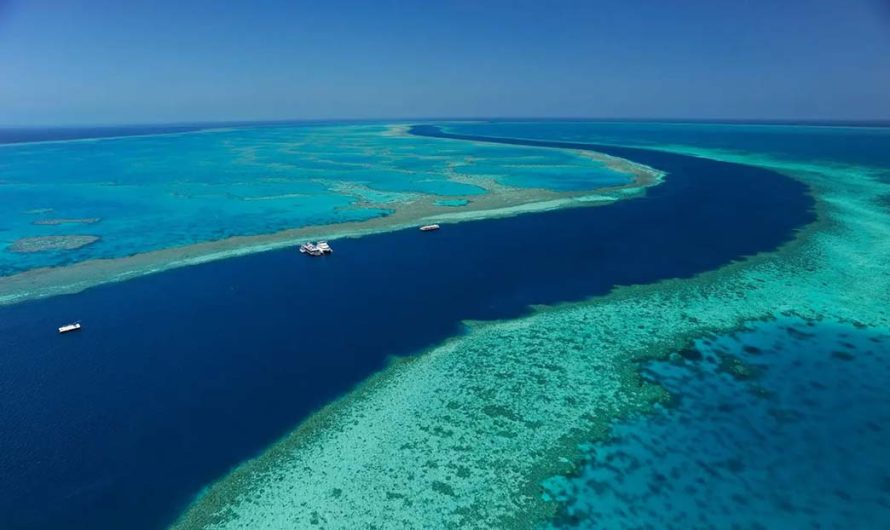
{"x": 316, "y": 249}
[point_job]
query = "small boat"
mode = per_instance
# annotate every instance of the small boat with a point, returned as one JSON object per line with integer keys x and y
{"x": 429, "y": 228}
{"x": 74, "y": 326}
{"x": 324, "y": 247}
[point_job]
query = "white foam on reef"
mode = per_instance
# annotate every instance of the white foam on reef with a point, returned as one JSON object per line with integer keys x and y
{"x": 464, "y": 434}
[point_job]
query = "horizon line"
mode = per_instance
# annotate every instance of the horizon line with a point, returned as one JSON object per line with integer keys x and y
{"x": 851, "y": 122}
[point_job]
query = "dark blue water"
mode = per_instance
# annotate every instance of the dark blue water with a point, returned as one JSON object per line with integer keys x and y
{"x": 861, "y": 146}
{"x": 181, "y": 375}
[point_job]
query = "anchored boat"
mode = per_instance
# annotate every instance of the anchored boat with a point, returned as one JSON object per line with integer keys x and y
{"x": 429, "y": 228}
{"x": 74, "y": 326}
{"x": 316, "y": 249}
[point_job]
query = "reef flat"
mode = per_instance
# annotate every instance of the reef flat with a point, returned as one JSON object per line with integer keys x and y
{"x": 48, "y": 243}
{"x": 63, "y": 221}
{"x": 385, "y": 180}
{"x": 464, "y": 435}
{"x": 756, "y": 422}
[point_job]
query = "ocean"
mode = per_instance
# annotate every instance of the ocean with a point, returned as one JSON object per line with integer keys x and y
{"x": 178, "y": 376}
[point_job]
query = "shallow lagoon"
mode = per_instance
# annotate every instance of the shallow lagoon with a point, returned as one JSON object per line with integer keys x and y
{"x": 168, "y": 190}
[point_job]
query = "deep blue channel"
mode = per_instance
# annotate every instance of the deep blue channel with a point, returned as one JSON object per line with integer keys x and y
{"x": 179, "y": 376}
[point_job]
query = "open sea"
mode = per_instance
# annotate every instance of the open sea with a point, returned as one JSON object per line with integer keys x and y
{"x": 179, "y": 376}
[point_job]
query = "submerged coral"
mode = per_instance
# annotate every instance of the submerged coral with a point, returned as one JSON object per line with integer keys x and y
{"x": 463, "y": 435}
{"x": 68, "y": 221}
{"x": 382, "y": 182}
{"x": 46, "y": 243}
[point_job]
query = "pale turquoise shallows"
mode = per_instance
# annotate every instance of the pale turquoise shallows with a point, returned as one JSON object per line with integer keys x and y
{"x": 143, "y": 193}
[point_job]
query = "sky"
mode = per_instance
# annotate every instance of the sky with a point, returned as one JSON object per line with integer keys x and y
{"x": 91, "y": 62}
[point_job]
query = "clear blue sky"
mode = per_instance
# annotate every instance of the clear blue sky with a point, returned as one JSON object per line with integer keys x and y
{"x": 140, "y": 61}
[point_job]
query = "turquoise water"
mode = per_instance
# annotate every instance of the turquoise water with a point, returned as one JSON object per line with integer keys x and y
{"x": 453, "y": 202}
{"x": 784, "y": 425}
{"x": 779, "y": 426}
{"x": 142, "y": 193}
{"x": 197, "y": 395}
{"x": 796, "y": 437}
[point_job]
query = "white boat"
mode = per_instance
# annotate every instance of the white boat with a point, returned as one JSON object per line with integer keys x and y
{"x": 316, "y": 249}
{"x": 69, "y": 327}
{"x": 429, "y": 228}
